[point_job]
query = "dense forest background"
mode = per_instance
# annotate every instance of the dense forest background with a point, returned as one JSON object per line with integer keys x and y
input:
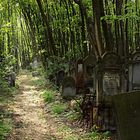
{"x": 59, "y": 31}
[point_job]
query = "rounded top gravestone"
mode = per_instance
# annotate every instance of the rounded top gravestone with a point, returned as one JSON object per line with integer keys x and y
{"x": 68, "y": 87}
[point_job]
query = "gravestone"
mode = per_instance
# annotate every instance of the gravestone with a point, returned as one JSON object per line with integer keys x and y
{"x": 10, "y": 77}
{"x": 134, "y": 70}
{"x": 89, "y": 73}
{"x": 79, "y": 66}
{"x": 111, "y": 74}
{"x": 108, "y": 72}
{"x": 35, "y": 63}
{"x": 72, "y": 69}
{"x": 79, "y": 76}
{"x": 59, "y": 77}
{"x": 68, "y": 87}
{"x": 127, "y": 108}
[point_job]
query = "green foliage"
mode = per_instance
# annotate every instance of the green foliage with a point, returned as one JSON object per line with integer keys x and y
{"x": 55, "y": 64}
{"x": 5, "y": 127}
{"x": 59, "y": 108}
{"x": 94, "y": 135}
{"x": 6, "y": 66}
{"x": 48, "y": 96}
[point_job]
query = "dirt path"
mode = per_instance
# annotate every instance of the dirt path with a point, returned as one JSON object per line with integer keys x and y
{"x": 28, "y": 107}
{"x": 33, "y": 120}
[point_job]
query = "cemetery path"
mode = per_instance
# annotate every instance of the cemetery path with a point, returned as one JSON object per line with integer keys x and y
{"x": 28, "y": 108}
{"x": 31, "y": 119}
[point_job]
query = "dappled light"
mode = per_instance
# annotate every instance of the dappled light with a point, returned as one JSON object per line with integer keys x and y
{"x": 65, "y": 65}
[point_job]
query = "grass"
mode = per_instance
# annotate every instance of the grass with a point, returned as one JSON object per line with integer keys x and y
{"x": 5, "y": 127}
{"x": 6, "y": 123}
{"x": 48, "y": 96}
{"x": 59, "y": 108}
{"x": 40, "y": 82}
{"x": 94, "y": 135}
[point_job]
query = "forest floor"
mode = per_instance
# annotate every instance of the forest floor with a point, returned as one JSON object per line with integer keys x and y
{"x": 31, "y": 119}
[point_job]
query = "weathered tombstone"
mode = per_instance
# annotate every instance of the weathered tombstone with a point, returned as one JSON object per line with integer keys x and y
{"x": 79, "y": 66}
{"x": 72, "y": 70}
{"x": 127, "y": 108}
{"x": 10, "y": 77}
{"x": 134, "y": 72}
{"x": 108, "y": 77}
{"x": 35, "y": 63}
{"x": 68, "y": 87}
{"x": 59, "y": 77}
{"x": 89, "y": 74}
{"x": 79, "y": 76}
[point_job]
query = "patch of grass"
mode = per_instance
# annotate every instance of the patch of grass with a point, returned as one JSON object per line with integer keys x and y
{"x": 48, "y": 96}
{"x": 94, "y": 135}
{"x": 5, "y": 127}
{"x": 59, "y": 108}
{"x": 73, "y": 115}
{"x": 40, "y": 82}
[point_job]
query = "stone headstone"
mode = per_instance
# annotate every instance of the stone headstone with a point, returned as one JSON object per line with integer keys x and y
{"x": 11, "y": 77}
{"x": 111, "y": 74}
{"x": 79, "y": 66}
{"x": 89, "y": 74}
{"x": 127, "y": 108}
{"x": 68, "y": 87}
{"x": 35, "y": 63}
{"x": 59, "y": 77}
{"x": 134, "y": 69}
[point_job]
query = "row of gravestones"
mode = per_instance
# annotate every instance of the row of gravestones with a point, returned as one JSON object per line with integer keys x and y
{"x": 107, "y": 79}
{"x": 80, "y": 77}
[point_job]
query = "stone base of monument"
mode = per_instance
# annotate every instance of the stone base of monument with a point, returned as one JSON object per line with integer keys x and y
{"x": 127, "y": 108}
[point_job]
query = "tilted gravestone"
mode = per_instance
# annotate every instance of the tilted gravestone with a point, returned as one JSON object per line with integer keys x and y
{"x": 127, "y": 108}
{"x": 68, "y": 87}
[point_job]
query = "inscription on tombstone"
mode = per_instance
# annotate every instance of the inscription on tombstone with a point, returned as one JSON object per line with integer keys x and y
{"x": 111, "y": 83}
{"x": 68, "y": 87}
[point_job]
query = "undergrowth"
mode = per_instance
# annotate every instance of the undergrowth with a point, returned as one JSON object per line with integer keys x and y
{"x": 6, "y": 123}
